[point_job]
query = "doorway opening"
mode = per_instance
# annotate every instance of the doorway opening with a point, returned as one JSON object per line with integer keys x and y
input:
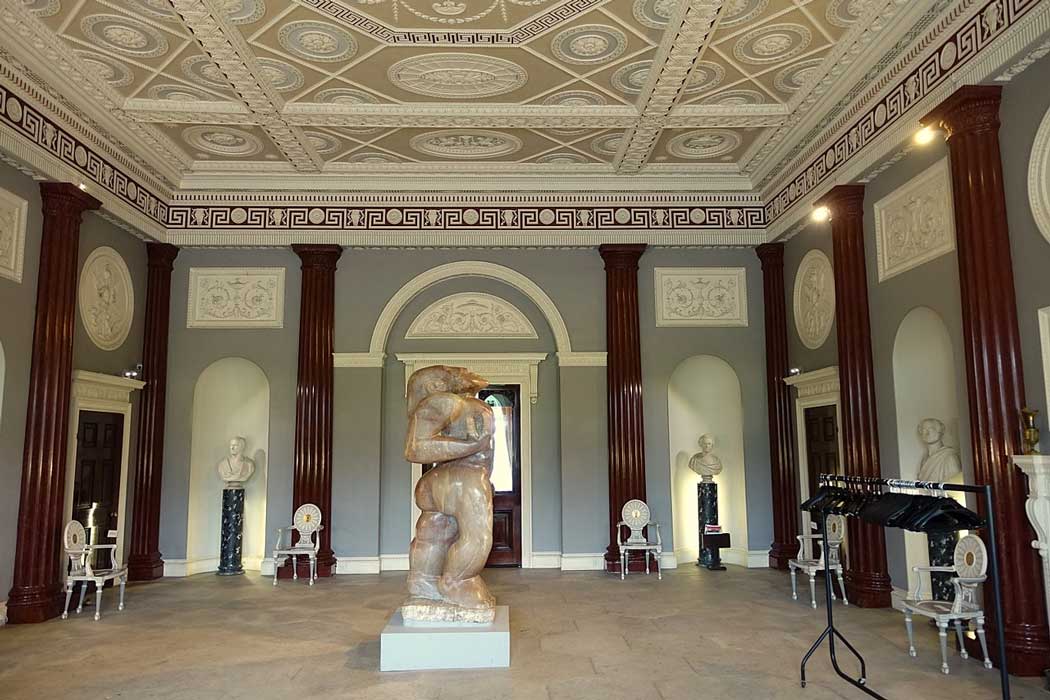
{"x": 96, "y": 480}
{"x": 822, "y": 451}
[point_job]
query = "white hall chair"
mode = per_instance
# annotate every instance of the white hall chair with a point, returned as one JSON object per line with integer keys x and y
{"x": 636, "y": 518}
{"x": 74, "y": 539}
{"x": 810, "y": 563}
{"x": 307, "y": 522}
{"x": 970, "y": 567}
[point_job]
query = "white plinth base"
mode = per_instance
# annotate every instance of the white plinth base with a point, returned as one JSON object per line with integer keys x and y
{"x": 427, "y": 647}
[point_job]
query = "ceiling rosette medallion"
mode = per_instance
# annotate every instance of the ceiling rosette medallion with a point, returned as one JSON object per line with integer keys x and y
{"x": 589, "y": 44}
{"x": 704, "y": 143}
{"x": 575, "y": 98}
{"x": 317, "y": 41}
{"x": 772, "y": 43}
{"x": 345, "y": 96}
{"x": 466, "y": 144}
{"x": 737, "y": 12}
{"x": 653, "y": 13}
{"x": 124, "y": 35}
{"x": 109, "y": 70}
{"x": 222, "y": 141}
{"x": 457, "y": 75}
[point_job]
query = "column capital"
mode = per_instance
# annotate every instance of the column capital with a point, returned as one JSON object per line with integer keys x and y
{"x": 844, "y": 200}
{"x": 66, "y": 198}
{"x": 161, "y": 255}
{"x": 621, "y": 255}
{"x": 970, "y": 109}
{"x": 320, "y": 256}
{"x": 771, "y": 254}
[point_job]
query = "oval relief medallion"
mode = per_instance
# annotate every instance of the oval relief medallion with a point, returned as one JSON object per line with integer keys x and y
{"x": 772, "y": 43}
{"x": 457, "y": 75}
{"x": 703, "y": 143}
{"x": 465, "y": 143}
{"x": 654, "y": 13}
{"x": 814, "y": 299}
{"x": 736, "y": 12}
{"x": 794, "y": 77}
{"x": 318, "y": 41}
{"x": 124, "y": 35}
{"x": 222, "y": 141}
{"x": 105, "y": 68}
{"x": 107, "y": 299}
{"x": 1039, "y": 176}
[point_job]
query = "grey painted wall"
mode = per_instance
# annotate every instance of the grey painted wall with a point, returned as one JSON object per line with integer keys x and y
{"x": 16, "y": 335}
{"x": 1025, "y": 103}
{"x": 191, "y": 350}
{"x": 743, "y": 348}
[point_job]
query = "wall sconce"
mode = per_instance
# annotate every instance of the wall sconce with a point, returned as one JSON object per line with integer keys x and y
{"x": 794, "y": 372}
{"x": 821, "y": 214}
{"x": 135, "y": 373}
{"x": 924, "y": 136}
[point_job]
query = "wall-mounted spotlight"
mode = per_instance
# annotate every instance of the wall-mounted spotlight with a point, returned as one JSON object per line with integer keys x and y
{"x": 135, "y": 373}
{"x": 82, "y": 186}
{"x": 821, "y": 214}
{"x": 794, "y": 372}
{"x": 926, "y": 135}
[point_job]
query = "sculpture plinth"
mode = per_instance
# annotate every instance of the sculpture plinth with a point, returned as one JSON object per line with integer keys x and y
{"x": 230, "y": 544}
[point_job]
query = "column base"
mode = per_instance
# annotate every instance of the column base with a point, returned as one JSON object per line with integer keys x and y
{"x": 145, "y": 567}
{"x": 780, "y": 553}
{"x": 1027, "y": 649}
{"x": 35, "y": 604}
{"x": 868, "y": 590}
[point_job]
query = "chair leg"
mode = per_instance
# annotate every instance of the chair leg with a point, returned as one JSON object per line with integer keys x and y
{"x": 794, "y": 583}
{"x": 842, "y": 587}
{"x": 313, "y": 570}
{"x": 623, "y": 565}
{"x": 959, "y": 635}
{"x": 813, "y": 589}
{"x": 659, "y": 568}
{"x": 83, "y": 590}
{"x": 647, "y": 553}
{"x": 984, "y": 642}
{"x": 295, "y": 567}
{"x": 123, "y": 582}
{"x": 69, "y": 595}
{"x": 276, "y": 565}
{"x": 942, "y": 631}
{"x": 911, "y": 633}
{"x": 98, "y": 600}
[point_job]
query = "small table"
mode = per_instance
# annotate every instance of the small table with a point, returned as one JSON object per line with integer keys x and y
{"x": 712, "y": 543}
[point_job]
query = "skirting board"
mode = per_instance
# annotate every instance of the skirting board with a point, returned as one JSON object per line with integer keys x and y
{"x": 750, "y": 558}
{"x": 583, "y": 562}
{"x": 546, "y": 560}
{"x": 178, "y": 568}
{"x": 357, "y": 565}
{"x": 3, "y": 613}
{"x": 393, "y": 562}
{"x": 897, "y": 596}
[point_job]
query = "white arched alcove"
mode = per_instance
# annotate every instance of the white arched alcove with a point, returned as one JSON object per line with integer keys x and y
{"x": 923, "y": 387}
{"x": 231, "y": 398}
{"x": 703, "y": 396}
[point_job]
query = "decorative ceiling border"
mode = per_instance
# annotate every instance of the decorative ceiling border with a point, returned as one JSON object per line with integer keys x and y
{"x": 524, "y": 32}
{"x": 979, "y": 30}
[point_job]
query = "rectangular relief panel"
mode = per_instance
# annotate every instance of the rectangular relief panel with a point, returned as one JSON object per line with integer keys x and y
{"x": 236, "y": 297}
{"x": 915, "y": 223}
{"x": 12, "y": 235}
{"x": 701, "y": 296}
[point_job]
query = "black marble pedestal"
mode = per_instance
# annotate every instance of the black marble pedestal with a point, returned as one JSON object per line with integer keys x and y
{"x": 232, "y": 529}
{"x": 942, "y": 551}
{"x": 707, "y": 514}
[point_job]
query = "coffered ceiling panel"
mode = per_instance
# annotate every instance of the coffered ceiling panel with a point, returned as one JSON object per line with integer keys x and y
{"x": 667, "y": 87}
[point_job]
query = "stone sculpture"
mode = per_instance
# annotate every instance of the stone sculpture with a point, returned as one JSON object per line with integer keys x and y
{"x": 705, "y": 462}
{"x": 940, "y": 462}
{"x": 448, "y": 426}
{"x": 235, "y": 469}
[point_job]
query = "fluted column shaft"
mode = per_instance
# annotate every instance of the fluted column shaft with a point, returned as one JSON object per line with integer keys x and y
{"x": 312, "y": 472}
{"x": 36, "y": 591}
{"x": 624, "y": 373}
{"x": 144, "y": 560}
{"x": 778, "y": 400}
{"x": 867, "y": 580}
{"x": 994, "y": 378}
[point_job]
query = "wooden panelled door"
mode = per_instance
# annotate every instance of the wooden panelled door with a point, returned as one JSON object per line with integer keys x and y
{"x": 822, "y": 444}
{"x": 96, "y": 477}
{"x": 506, "y": 475}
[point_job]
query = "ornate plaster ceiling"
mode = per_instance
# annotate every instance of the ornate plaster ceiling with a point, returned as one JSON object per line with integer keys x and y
{"x": 664, "y": 88}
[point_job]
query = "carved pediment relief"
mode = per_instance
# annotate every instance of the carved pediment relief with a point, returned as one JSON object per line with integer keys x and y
{"x": 471, "y": 315}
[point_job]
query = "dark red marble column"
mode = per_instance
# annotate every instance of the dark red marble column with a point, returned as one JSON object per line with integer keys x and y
{"x": 867, "y": 581}
{"x": 144, "y": 560}
{"x": 36, "y": 592}
{"x": 778, "y": 400}
{"x": 624, "y": 385}
{"x": 312, "y": 472}
{"x": 994, "y": 380}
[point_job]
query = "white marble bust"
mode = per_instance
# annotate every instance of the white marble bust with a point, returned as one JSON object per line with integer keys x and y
{"x": 705, "y": 462}
{"x": 940, "y": 463}
{"x": 235, "y": 468}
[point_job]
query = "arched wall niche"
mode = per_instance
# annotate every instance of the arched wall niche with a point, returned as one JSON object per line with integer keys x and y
{"x": 924, "y": 386}
{"x": 703, "y": 396}
{"x": 231, "y": 398}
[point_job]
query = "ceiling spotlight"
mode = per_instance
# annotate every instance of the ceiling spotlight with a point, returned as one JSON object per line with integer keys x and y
{"x": 82, "y": 186}
{"x": 925, "y": 135}
{"x": 821, "y": 214}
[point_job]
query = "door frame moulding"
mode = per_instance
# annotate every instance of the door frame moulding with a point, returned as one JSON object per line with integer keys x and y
{"x": 516, "y": 369}
{"x": 104, "y": 393}
{"x": 813, "y": 389}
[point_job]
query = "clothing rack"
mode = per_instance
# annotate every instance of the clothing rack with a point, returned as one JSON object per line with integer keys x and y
{"x": 830, "y": 632}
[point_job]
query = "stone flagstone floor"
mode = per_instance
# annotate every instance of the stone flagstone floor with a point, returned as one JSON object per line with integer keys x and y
{"x": 575, "y": 635}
